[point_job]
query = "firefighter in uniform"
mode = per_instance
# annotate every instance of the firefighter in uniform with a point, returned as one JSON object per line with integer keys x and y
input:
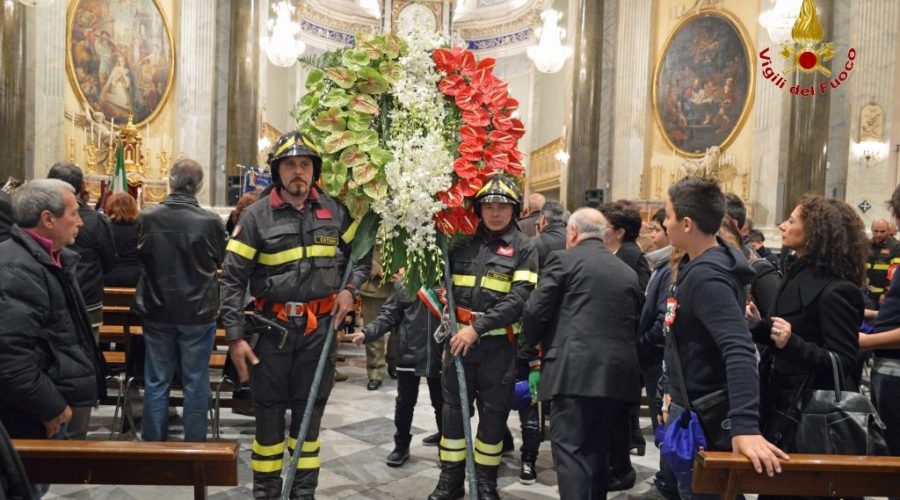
{"x": 884, "y": 255}
{"x": 291, "y": 247}
{"x": 493, "y": 275}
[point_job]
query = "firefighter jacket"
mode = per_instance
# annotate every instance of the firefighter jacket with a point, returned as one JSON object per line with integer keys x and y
{"x": 493, "y": 276}
{"x": 288, "y": 255}
{"x": 883, "y": 258}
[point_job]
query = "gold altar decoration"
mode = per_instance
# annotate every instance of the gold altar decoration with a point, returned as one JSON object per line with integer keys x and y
{"x": 544, "y": 171}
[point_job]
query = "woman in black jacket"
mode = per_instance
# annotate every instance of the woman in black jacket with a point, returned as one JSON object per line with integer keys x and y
{"x": 819, "y": 305}
{"x": 122, "y": 210}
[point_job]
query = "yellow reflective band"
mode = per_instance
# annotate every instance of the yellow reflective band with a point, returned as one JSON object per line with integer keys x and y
{"x": 266, "y": 465}
{"x": 895, "y": 260}
{"x": 495, "y": 284}
{"x": 464, "y": 280}
{"x": 310, "y": 144}
{"x": 492, "y": 449}
{"x": 875, "y": 289}
{"x": 242, "y": 249}
{"x": 453, "y": 444}
{"x": 308, "y": 446}
{"x": 290, "y": 142}
{"x": 452, "y": 456}
{"x": 308, "y": 463}
{"x": 525, "y": 275}
{"x": 489, "y": 460}
{"x": 350, "y": 233}
{"x": 283, "y": 257}
{"x": 320, "y": 251}
{"x": 881, "y": 267}
{"x": 268, "y": 451}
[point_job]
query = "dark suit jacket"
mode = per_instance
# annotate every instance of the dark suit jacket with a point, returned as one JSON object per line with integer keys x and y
{"x": 825, "y": 313}
{"x": 584, "y": 313}
{"x": 5, "y": 216}
{"x": 631, "y": 254}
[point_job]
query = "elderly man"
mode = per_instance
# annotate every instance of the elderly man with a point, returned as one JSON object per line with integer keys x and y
{"x": 181, "y": 247}
{"x": 583, "y": 313}
{"x": 531, "y": 214}
{"x": 5, "y": 216}
{"x": 49, "y": 363}
{"x": 884, "y": 255}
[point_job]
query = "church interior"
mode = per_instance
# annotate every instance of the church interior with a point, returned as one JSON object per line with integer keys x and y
{"x": 619, "y": 100}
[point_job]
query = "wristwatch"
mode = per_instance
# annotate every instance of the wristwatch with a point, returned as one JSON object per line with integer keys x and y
{"x": 353, "y": 291}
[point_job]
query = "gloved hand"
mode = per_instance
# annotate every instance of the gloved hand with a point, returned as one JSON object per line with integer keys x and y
{"x": 534, "y": 378}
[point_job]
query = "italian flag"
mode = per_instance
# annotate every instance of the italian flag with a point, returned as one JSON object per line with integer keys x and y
{"x": 119, "y": 182}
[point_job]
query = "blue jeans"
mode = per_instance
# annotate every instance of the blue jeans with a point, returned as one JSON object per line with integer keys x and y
{"x": 166, "y": 345}
{"x": 684, "y": 489}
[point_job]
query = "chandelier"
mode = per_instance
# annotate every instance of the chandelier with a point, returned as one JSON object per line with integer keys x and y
{"x": 282, "y": 47}
{"x": 779, "y": 20}
{"x": 549, "y": 55}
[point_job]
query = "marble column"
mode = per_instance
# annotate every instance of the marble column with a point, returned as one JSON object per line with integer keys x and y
{"x": 12, "y": 91}
{"x": 584, "y": 125}
{"x": 243, "y": 86}
{"x": 632, "y": 97}
{"x": 195, "y": 89}
{"x": 46, "y": 80}
{"x": 808, "y": 151}
{"x": 874, "y": 31}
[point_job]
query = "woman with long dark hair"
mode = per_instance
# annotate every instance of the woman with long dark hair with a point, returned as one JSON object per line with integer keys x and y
{"x": 122, "y": 210}
{"x": 819, "y": 306}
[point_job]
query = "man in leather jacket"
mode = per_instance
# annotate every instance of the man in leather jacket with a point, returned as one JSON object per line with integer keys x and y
{"x": 181, "y": 247}
{"x": 292, "y": 248}
{"x": 493, "y": 275}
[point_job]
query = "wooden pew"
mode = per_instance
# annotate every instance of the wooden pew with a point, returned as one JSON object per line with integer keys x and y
{"x": 803, "y": 475}
{"x": 133, "y": 462}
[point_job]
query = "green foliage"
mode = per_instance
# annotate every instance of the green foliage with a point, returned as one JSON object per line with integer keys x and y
{"x": 334, "y": 176}
{"x": 365, "y": 235}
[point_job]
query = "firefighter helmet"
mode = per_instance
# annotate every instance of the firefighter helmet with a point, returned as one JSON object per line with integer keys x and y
{"x": 499, "y": 188}
{"x": 294, "y": 143}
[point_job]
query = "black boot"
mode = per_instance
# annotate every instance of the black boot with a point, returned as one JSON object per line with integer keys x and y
{"x": 451, "y": 483}
{"x": 401, "y": 451}
{"x": 487, "y": 482}
{"x": 305, "y": 483}
{"x": 528, "y": 473}
{"x": 267, "y": 485}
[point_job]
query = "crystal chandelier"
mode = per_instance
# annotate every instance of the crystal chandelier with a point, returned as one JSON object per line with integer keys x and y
{"x": 282, "y": 47}
{"x": 549, "y": 55}
{"x": 779, "y": 20}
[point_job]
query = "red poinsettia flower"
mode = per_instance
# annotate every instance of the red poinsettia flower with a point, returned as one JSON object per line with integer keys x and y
{"x": 464, "y": 168}
{"x": 468, "y": 98}
{"x": 478, "y": 117}
{"x": 501, "y": 140}
{"x": 471, "y": 151}
{"x": 451, "y": 84}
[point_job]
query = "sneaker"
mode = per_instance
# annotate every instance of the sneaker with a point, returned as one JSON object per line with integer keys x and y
{"x": 528, "y": 474}
{"x": 398, "y": 456}
{"x": 432, "y": 440}
{"x": 373, "y": 385}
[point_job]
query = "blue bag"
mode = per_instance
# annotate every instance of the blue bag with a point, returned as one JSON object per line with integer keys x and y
{"x": 681, "y": 442}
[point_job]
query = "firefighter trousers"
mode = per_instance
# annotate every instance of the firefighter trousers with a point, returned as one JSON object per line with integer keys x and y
{"x": 282, "y": 381}
{"x": 490, "y": 378}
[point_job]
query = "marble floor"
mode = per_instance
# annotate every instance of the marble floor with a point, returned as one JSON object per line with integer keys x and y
{"x": 357, "y": 435}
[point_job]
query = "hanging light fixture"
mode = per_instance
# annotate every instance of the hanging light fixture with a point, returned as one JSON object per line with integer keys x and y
{"x": 779, "y": 20}
{"x": 282, "y": 47}
{"x": 549, "y": 55}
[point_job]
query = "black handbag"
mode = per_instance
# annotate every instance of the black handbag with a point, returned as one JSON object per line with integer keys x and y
{"x": 830, "y": 422}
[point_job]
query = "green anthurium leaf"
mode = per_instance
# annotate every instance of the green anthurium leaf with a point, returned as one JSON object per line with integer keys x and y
{"x": 392, "y": 71}
{"x": 331, "y": 120}
{"x": 342, "y": 77}
{"x": 363, "y": 104}
{"x": 336, "y": 98}
{"x": 355, "y": 59}
{"x": 339, "y": 140}
{"x": 314, "y": 77}
{"x": 365, "y": 173}
{"x": 365, "y": 233}
{"x": 367, "y": 140}
{"x": 394, "y": 46}
{"x": 377, "y": 188}
{"x": 358, "y": 121}
{"x": 352, "y": 157}
{"x": 371, "y": 82}
{"x": 372, "y": 48}
{"x": 334, "y": 175}
{"x": 380, "y": 157}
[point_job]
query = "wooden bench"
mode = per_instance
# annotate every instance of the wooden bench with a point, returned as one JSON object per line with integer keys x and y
{"x": 113, "y": 462}
{"x": 803, "y": 475}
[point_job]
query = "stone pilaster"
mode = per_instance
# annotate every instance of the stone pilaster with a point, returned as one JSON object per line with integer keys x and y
{"x": 12, "y": 91}
{"x": 45, "y": 82}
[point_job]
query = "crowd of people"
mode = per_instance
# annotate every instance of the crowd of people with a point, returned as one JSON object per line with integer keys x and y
{"x": 565, "y": 313}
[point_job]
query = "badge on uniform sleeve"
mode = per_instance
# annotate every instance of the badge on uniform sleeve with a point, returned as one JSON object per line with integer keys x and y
{"x": 506, "y": 251}
{"x": 236, "y": 231}
{"x": 671, "y": 310}
{"x": 323, "y": 213}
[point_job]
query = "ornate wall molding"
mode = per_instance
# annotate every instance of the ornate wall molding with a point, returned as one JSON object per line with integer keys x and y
{"x": 334, "y": 25}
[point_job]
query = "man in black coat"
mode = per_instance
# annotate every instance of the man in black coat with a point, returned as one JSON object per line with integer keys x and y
{"x": 5, "y": 216}
{"x": 49, "y": 363}
{"x": 552, "y": 235}
{"x": 583, "y": 313}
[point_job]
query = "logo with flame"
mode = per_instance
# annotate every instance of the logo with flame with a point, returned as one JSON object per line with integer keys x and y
{"x": 807, "y": 53}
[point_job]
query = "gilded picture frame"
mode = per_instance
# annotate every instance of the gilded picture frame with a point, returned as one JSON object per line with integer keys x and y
{"x": 120, "y": 57}
{"x": 704, "y": 82}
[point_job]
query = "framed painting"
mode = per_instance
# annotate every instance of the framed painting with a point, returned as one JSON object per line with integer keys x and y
{"x": 703, "y": 83}
{"x": 120, "y": 57}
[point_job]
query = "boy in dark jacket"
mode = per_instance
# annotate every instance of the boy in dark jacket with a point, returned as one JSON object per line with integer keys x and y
{"x": 417, "y": 355}
{"x": 707, "y": 320}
